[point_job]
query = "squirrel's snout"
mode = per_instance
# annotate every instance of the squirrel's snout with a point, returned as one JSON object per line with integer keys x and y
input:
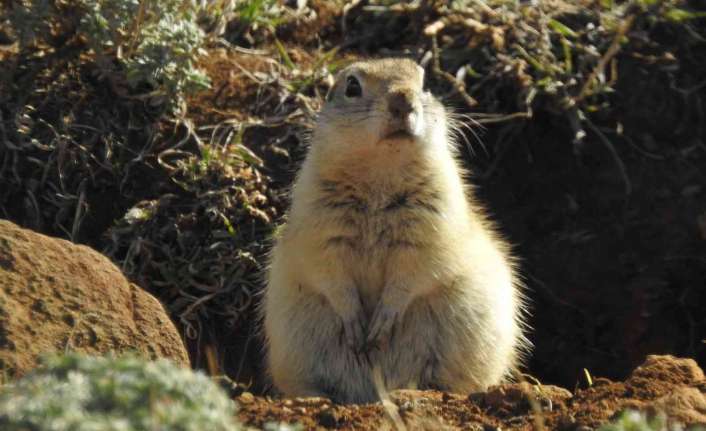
{"x": 400, "y": 104}
{"x": 405, "y": 114}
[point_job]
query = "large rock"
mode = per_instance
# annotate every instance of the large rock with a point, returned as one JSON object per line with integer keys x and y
{"x": 59, "y": 296}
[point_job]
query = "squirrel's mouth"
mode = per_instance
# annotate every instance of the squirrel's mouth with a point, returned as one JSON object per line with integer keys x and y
{"x": 398, "y": 135}
{"x": 404, "y": 128}
{"x": 400, "y": 132}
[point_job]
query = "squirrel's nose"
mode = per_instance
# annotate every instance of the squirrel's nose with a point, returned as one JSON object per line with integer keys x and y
{"x": 400, "y": 104}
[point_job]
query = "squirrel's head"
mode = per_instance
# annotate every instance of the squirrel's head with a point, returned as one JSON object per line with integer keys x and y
{"x": 380, "y": 102}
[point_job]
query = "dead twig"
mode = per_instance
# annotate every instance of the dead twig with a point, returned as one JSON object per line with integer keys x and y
{"x": 500, "y": 118}
{"x": 614, "y": 153}
{"x": 79, "y": 213}
{"x": 458, "y": 86}
{"x": 603, "y": 62}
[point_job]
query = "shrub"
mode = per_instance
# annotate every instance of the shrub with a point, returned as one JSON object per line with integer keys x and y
{"x": 631, "y": 420}
{"x": 82, "y": 393}
{"x": 150, "y": 47}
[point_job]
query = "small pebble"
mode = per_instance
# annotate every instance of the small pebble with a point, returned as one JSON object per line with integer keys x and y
{"x": 327, "y": 418}
{"x": 406, "y": 406}
{"x": 246, "y": 398}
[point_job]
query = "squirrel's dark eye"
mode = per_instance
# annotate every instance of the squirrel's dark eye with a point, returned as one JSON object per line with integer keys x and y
{"x": 353, "y": 88}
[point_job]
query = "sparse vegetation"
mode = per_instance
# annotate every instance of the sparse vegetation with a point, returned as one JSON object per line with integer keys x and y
{"x": 78, "y": 393}
{"x": 632, "y": 420}
{"x": 202, "y": 245}
{"x": 144, "y": 50}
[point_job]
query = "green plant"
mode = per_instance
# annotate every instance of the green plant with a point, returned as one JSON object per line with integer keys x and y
{"x": 631, "y": 420}
{"x": 262, "y": 12}
{"x": 206, "y": 236}
{"x": 150, "y": 46}
{"x": 84, "y": 393}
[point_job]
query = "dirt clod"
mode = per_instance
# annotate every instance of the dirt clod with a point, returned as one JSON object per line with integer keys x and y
{"x": 328, "y": 418}
{"x": 246, "y": 398}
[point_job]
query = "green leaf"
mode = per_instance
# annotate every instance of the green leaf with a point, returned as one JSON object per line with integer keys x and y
{"x": 285, "y": 57}
{"x": 561, "y": 28}
{"x": 566, "y": 45}
{"x": 326, "y": 58}
{"x": 472, "y": 72}
{"x": 228, "y": 225}
{"x": 679, "y": 15}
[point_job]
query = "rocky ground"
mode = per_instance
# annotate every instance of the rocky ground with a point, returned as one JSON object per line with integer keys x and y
{"x": 663, "y": 383}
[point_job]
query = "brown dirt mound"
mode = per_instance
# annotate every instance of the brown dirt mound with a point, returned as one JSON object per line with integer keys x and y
{"x": 56, "y": 296}
{"x": 666, "y": 384}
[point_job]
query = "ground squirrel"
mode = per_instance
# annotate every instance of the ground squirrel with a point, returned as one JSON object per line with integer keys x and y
{"x": 385, "y": 260}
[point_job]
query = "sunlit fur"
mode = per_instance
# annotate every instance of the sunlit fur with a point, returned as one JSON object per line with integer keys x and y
{"x": 387, "y": 225}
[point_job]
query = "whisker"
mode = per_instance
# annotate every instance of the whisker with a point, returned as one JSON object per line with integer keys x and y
{"x": 459, "y": 122}
{"x": 457, "y": 132}
{"x": 358, "y": 120}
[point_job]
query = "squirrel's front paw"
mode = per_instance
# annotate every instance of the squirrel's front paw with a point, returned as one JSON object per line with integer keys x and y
{"x": 385, "y": 317}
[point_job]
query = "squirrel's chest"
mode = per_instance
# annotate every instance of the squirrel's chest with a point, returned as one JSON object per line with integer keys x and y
{"x": 374, "y": 221}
